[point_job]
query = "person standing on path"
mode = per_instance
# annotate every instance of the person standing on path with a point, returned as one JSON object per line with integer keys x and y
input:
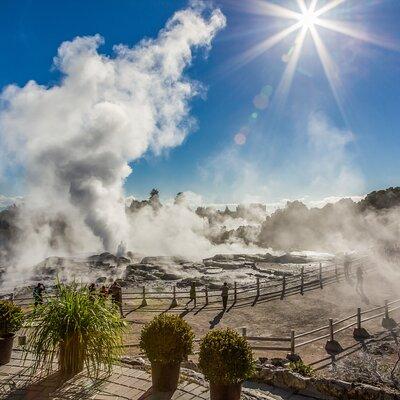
{"x": 116, "y": 296}
{"x": 224, "y": 295}
{"x": 38, "y": 294}
{"x": 360, "y": 280}
{"x": 346, "y": 266}
{"x": 192, "y": 293}
{"x": 103, "y": 292}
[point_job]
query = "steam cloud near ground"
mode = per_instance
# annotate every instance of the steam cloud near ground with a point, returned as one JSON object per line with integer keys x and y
{"x": 75, "y": 139}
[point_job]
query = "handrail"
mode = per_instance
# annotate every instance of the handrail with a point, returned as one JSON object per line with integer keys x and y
{"x": 264, "y": 287}
{"x": 268, "y": 339}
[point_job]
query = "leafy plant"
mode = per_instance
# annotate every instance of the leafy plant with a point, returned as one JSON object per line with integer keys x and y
{"x": 301, "y": 368}
{"x": 78, "y": 328}
{"x": 225, "y": 357}
{"x": 11, "y": 318}
{"x": 167, "y": 339}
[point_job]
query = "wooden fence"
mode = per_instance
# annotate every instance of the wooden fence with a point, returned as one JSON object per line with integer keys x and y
{"x": 261, "y": 289}
{"x": 329, "y": 331}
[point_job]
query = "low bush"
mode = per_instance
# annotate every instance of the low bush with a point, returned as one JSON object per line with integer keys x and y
{"x": 301, "y": 368}
{"x": 225, "y": 357}
{"x": 167, "y": 339}
{"x": 79, "y": 329}
{"x": 11, "y": 317}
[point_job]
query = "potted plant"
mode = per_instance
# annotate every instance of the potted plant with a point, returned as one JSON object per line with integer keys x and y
{"x": 226, "y": 360}
{"x": 167, "y": 340}
{"x": 11, "y": 318}
{"x": 78, "y": 329}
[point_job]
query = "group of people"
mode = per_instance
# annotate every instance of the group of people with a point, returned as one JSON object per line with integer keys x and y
{"x": 224, "y": 294}
{"x": 114, "y": 291}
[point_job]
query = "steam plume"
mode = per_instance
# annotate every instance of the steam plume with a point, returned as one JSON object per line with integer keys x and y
{"x": 75, "y": 139}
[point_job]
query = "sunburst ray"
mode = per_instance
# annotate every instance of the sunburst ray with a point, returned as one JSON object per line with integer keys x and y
{"x": 287, "y": 78}
{"x": 346, "y": 29}
{"x": 330, "y": 69}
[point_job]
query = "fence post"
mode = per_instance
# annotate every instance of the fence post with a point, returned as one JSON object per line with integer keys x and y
{"x": 144, "y": 301}
{"x": 336, "y": 273}
{"x": 387, "y": 322}
{"x": 206, "y": 293}
{"x": 244, "y": 331}
{"x": 258, "y": 288}
{"x": 234, "y": 292}
{"x": 174, "y": 302}
{"x": 292, "y": 343}
{"x": 331, "y": 329}
{"x": 302, "y": 281}
{"x": 283, "y": 287}
{"x": 359, "y": 332}
{"x": 320, "y": 275}
{"x": 12, "y": 297}
{"x": 332, "y": 347}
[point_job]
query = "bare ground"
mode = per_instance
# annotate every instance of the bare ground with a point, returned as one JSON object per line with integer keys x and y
{"x": 277, "y": 317}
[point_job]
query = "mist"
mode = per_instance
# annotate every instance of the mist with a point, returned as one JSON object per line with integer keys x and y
{"x": 75, "y": 140}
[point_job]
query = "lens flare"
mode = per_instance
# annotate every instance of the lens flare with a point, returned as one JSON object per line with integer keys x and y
{"x": 306, "y": 20}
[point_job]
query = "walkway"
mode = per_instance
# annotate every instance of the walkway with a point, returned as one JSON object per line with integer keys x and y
{"x": 16, "y": 383}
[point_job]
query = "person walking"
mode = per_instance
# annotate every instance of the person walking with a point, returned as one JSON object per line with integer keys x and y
{"x": 360, "y": 280}
{"x": 224, "y": 295}
{"x": 92, "y": 290}
{"x": 192, "y": 294}
{"x": 38, "y": 294}
{"x": 103, "y": 292}
{"x": 116, "y": 296}
{"x": 346, "y": 266}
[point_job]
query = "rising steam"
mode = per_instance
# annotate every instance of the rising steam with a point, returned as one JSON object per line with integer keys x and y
{"x": 75, "y": 140}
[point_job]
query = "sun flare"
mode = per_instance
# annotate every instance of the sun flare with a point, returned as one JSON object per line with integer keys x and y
{"x": 310, "y": 17}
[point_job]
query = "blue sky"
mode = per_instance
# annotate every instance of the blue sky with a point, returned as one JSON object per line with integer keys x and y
{"x": 308, "y": 147}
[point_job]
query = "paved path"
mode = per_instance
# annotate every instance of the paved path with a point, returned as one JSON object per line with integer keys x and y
{"x": 17, "y": 383}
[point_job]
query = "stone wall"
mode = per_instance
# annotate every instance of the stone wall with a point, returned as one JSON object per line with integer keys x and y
{"x": 321, "y": 388}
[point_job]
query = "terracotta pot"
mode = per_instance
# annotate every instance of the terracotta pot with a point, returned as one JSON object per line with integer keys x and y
{"x": 6, "y": 345}
{"x": 225, "y": 392}
{"x": 165, "y": 377}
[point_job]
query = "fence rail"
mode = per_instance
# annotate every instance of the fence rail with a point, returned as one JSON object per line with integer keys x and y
{"x": 330, "y": 328}
{"x": 261, "y": 287}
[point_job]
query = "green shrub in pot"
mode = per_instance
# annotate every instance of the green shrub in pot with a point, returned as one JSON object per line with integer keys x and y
{"x": 11, "y": 319}
{"x": 226, "y": 360}
{"x": 167, "y": 340}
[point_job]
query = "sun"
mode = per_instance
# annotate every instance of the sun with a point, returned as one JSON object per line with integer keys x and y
{"x": 308, "y": 19}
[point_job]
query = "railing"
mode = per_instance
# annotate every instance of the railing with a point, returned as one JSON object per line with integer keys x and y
{"x": 329, "y": 330}
{"x": 261, "y": 289}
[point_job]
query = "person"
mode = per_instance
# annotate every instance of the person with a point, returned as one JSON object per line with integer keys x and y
{"x": 360, "y": 280}
{"x": 192, "y": 293}
{"x": 224, "y": 295}
{"x": 116, "y": 296}
{"x": 103, "y": 292}
{"x": 346, "y": 266}
{"x": 92, "y": 290}
{"x": 38, "y": 294}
